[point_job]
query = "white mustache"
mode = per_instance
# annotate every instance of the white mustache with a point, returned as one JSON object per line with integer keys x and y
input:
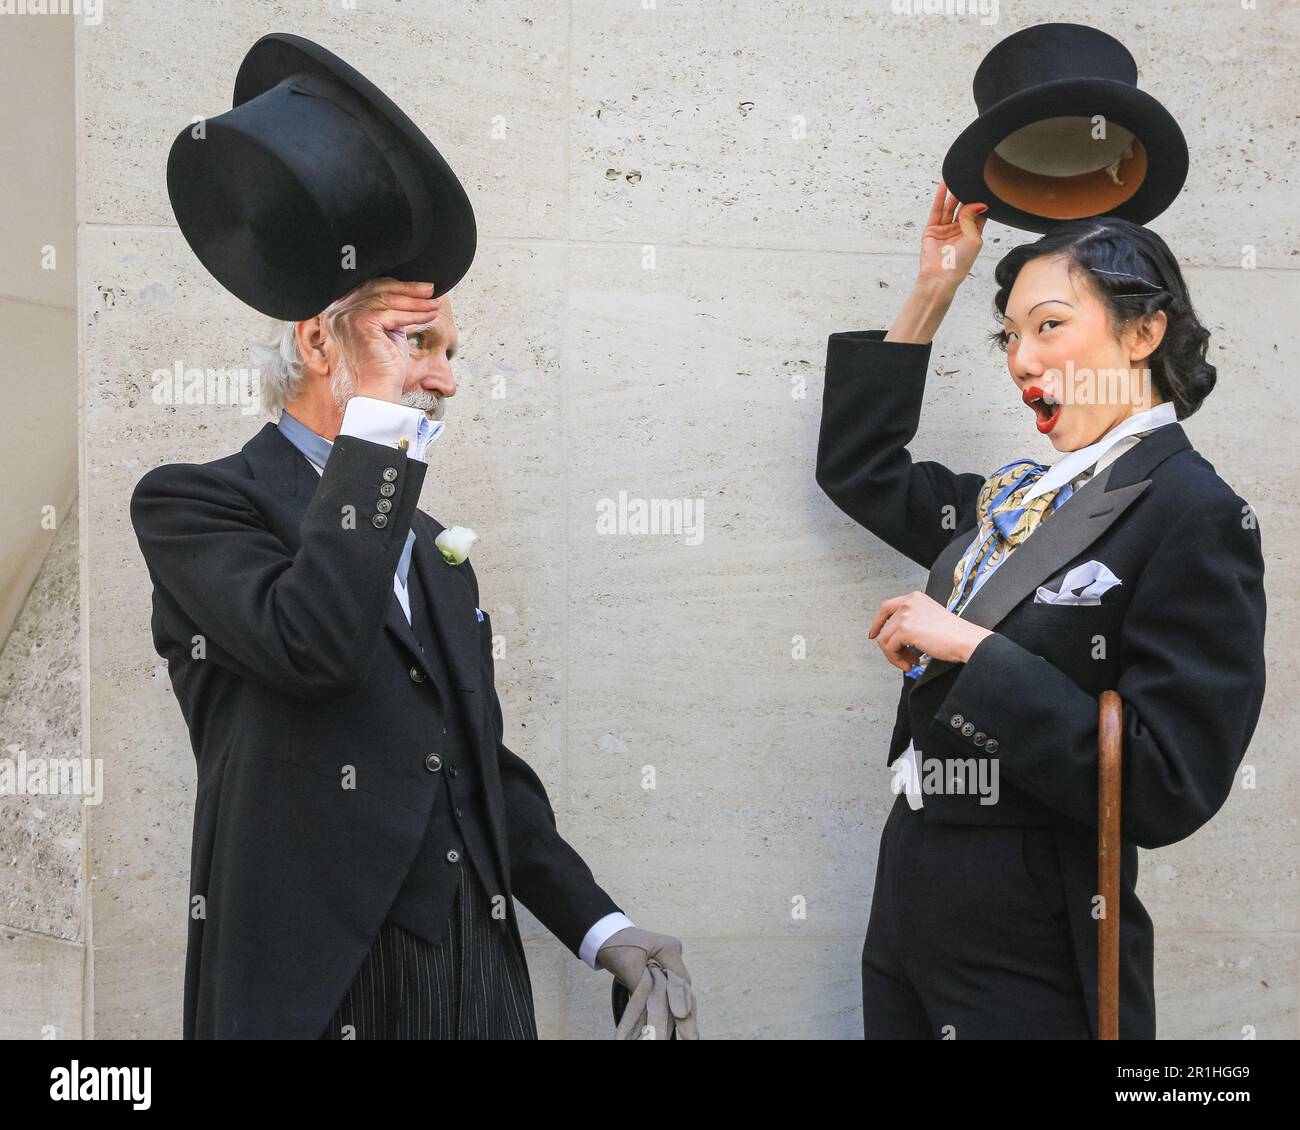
{"x": 433, "y": 404}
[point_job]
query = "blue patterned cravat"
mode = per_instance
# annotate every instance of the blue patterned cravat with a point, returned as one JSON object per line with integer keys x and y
{"x": 1005, "y": 521}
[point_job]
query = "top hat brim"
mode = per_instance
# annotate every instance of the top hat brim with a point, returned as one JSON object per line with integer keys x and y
{"x": 1117, "y": 102}
{"x": 449, "y": 251}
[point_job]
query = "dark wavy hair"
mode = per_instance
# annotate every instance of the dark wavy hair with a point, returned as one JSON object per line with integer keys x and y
{"x": 1133, "y": 272}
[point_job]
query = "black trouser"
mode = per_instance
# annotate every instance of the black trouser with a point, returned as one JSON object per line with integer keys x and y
{"x": 968, "y": 936}
{"x": 470, "y": 986}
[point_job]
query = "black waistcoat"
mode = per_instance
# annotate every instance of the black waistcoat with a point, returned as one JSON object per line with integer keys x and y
{"x": 458, "y": 833}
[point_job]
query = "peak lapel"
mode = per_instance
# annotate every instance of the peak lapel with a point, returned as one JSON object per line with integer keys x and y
{"x": 451, "y": 607}
{"x": 1087, "y": 515}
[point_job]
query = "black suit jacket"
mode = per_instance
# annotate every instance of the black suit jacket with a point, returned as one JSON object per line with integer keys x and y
{"x": 1181, "y": 638}
{"x": 295, "y": 670}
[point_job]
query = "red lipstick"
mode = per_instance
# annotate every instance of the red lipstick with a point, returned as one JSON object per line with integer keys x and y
{"x": 1047, "y": 408}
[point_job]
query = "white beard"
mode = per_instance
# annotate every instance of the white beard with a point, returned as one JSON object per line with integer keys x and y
{"x": 344, "y": 388}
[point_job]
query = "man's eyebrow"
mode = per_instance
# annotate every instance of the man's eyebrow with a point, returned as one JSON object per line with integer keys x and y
{"x": 1036, "y": 305}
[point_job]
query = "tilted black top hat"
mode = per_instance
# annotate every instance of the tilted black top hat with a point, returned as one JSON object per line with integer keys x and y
{"x": 1033, "y": 154}
{"x": 314, "y": 159}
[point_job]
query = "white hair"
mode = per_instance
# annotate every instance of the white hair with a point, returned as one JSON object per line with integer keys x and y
{"x": 279, "y": 364}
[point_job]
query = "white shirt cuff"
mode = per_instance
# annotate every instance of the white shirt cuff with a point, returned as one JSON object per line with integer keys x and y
{"x": 382, "y": 421}
{"x": 600, "y": 933}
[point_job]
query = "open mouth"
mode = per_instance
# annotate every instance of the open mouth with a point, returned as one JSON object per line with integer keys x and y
{"x": 1046, "y": 407}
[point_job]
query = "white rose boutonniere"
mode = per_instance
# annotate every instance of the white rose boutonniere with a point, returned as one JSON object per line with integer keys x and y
{"x": 454, "y": 543}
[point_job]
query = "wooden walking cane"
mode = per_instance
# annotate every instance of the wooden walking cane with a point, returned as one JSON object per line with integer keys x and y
{"x": 1110, "y": 764}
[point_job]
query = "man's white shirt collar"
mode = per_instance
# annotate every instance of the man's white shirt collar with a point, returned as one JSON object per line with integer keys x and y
{"x": 1076, "y": 462}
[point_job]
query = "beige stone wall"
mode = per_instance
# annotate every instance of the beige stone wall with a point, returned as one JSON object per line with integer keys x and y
{"x": 676, "y": 204}
{"x": 43, "y": 920}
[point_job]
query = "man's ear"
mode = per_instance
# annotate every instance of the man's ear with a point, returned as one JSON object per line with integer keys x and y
{"x": 310, "y": 336}
{"x": 1149, "y": 332}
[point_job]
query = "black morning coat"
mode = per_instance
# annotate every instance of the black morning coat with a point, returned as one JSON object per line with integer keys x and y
{"x": 1181, "y": 640}
{"x": 311, "y": 668}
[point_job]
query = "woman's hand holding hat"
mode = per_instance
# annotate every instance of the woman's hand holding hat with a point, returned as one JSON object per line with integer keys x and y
{"x": 949, "y": 244}
{"x": 952, "y": 238}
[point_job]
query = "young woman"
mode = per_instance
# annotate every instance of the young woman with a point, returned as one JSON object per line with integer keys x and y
{"x": 984, "y": 917}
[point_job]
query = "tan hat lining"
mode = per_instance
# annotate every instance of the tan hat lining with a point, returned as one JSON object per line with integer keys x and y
{"x": 1064, "y": 197}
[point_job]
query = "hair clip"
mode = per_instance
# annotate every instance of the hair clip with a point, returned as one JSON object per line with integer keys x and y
{"x": 1127, "y": 275}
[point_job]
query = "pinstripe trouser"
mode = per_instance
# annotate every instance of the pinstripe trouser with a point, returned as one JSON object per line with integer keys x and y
{"x": 470, "y": 986}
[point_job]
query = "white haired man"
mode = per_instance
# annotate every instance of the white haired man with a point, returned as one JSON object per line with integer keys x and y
{"x": 361, "y": 829}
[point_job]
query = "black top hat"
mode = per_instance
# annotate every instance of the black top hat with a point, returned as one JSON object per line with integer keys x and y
{"x": 1034, "y": 155}
{"x": 314, "y": 183}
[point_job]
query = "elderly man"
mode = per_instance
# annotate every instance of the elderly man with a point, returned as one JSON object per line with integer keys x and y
{"x": 360, "y": 827}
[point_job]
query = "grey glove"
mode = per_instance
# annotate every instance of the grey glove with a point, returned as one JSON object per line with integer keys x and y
{"x": 650, "y": 967}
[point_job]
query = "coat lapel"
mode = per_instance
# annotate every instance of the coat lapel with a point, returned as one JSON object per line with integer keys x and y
{"x": 451, "y": 608}
{"x": 1087, "y": 515}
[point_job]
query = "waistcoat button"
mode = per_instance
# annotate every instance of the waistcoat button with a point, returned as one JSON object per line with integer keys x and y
{"x": 433, "y": 763}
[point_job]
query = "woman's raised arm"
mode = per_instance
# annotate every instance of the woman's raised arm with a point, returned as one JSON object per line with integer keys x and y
{"x": 871, "y": 405}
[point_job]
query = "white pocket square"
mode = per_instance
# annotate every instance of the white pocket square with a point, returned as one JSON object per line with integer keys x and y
{"x": 1083, "y": 584}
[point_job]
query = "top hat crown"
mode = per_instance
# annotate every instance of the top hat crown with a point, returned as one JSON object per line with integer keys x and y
{"x": 1064, "y": 133}
{"x": 313, "y": 183}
